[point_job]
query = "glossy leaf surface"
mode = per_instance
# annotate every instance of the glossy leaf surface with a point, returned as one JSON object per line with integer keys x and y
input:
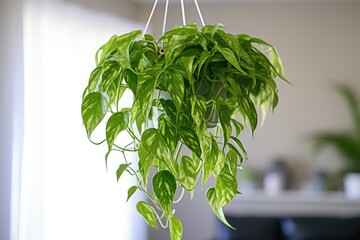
{"x": 164, "y": 186}
{"x": 93, "y": 110}
{"x": 147, "y": 212}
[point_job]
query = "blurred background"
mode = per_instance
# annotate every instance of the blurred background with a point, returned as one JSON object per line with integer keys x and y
{"x": 54, "y": 184}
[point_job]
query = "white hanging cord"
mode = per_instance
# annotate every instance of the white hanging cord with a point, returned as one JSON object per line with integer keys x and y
{"x": 199, "y": 12}
{"x": 151, "y": 15}
{"x": 183, "y": 12}
{"x": 165, "y": 16}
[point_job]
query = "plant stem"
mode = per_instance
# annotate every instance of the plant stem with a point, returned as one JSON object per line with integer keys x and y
{"x": 181, "y": 196}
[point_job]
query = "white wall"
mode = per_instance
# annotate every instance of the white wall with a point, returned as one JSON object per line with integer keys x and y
{"x": 319, "y": 45}
{"x": 122, "y": 8}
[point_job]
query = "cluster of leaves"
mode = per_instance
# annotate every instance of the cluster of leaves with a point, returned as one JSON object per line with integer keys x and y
{"x": 205, "y": 71}
{"x": 347, "y": 143}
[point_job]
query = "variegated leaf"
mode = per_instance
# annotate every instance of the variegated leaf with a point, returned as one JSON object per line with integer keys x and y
{"x": 145, "y": 162}
{"x": 225, "y": 186}
{"x": 215, "y": 206}
{"x": 210, "y": 158}
{"x": 147, "y": 212}
{"x": 93, "y": 110}
{"x": 164, "y": 186}
{"x": 116, "y": 123}
{"x": 176, "y": 229}
{"x": 198, "y": 110}
{"x": 190, "y": 139}
{"x": 188, "y": 170}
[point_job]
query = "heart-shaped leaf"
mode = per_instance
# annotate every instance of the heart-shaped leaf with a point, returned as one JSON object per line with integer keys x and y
{"x": 217, "y": 209}
{"x": 146, "y": 88}
{"x": 93, "y": 110}
{"x": 174, "y": 84}
{"x": 147, "y": 212}
{"x": 225, "y": 186}
{"x": 116, "y": 123}
{"x": 188, "y": 170}
{"x": 168, "y": 133}
{"x": 210, "y": 157}
{"x": 164, "y": 186}
{"x": 152, "y": 142}
{"x": 145, "y": 162}
{"x": 176, "y": 229}
{"x": 198, "y": 110}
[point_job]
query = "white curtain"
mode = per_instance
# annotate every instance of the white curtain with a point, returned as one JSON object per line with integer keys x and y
{"x": 11, "y": 100}
{"x": 65, "y": 190}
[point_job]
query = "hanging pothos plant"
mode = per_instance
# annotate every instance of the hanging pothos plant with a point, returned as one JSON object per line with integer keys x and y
{"x": 205, "y": 71}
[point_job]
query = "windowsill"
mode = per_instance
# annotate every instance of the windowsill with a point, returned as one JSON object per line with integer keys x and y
{"x": 293, "y": 203}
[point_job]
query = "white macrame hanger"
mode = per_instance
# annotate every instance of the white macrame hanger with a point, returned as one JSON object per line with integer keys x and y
{"x": 166, "y": 13}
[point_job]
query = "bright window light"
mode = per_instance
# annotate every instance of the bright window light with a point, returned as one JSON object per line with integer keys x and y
{"x": 66, "y": 191}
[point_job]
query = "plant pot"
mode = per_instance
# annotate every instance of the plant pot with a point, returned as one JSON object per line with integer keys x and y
{"x": 352, "y": 185}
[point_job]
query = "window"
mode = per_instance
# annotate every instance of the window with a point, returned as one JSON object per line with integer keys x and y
{"x": 66, "y": 192}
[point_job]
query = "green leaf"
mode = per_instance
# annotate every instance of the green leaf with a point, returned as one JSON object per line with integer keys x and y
{"x": 231, "y": 41}
{"x": 93, "y": 110}
{"x": 182, "y": 31}
{"x": 115, "y": 92}
{"x": 105, "y": 50}
{"x": 131, "y": 80}
{"x": 230, "y": 56}
{"x": 224, "y": 118}
{"x": 210, "y": 157}
{"x": 176, "y": 229}
{"x": 131, "y": 192}
{"x": 232, "y": 160}
{"x": 169, "y": 108}
{"x": 146, "y": 87}
{"x": 274, "y": 57}
{"x": 211, "y": 29}
{"x": 238, "y": 127}
{"x": 145, "y": 162}
{"x": 121, "y": 170}
{"x": 240, "y": 145}
{"x": 95, "y": 78}
{"x": 220, "y": 163}
{"x": 190, "y": 139}
{"x": 188, "y": 170}
{"x": 152, "y": 142}
{"x": 164, "y": 186}
{"x": 136, "y": 116}
{"x": 250, "y": 111}
{"x": 198, "y": 110}
{"x": 188, "y": 64}
{"x": 203, "y": 58}
{"x": 110, "y": 73}
{"x": 169, "y": 134}
{"x": 236, "y": 151}
{"x": 116, "y": 123}
{"x": 147, "y": 212}
{"x": 214, "y": 204}
{"x": 174, "y": 84}
{"x": 225, "y": 186}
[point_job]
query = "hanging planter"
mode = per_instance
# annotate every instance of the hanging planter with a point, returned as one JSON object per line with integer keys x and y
{"x": 204, "y": 70}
